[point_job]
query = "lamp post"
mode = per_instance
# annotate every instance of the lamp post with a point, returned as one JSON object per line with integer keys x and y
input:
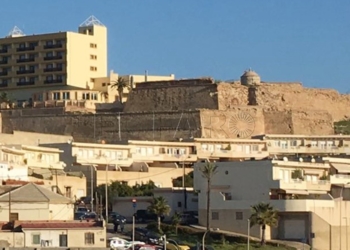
{"x": 106, "y": 194}
{"x": 248, "y": 238}
{"x": 205, "y": 233}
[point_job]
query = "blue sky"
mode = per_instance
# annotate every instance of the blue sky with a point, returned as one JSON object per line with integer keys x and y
{"x": 283, "y": 40}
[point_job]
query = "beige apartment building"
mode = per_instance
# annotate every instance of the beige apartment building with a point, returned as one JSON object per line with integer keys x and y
{"x": 312, "y": 198}
{"x": 31, "y": 163}
{"x": 52, "y": 61}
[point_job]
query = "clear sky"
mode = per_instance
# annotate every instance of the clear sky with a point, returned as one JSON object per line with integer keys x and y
{"x": 282, "y": 40}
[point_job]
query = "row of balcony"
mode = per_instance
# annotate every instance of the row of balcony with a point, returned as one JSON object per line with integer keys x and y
{"x": 32, "y": 59}
{"x": 32, "y": 48}
{"x": 295, "y": 184}
{"x": 32, "y": 71}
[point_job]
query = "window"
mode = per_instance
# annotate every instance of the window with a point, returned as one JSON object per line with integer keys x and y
{"x": 68, "y": 191}
{"x": 215, "y": 215}
{"x": 92, "y": 68}
{"x": 255, "y": 148}
{"x": 63, "y": 240}
{"x": 94, "y": 96}
{"x": 293, "y": 143}
{"x": 179, "y": 204}
{"x": 93, "y": 57}
{"x": 49, "y": 66}
{"x": 56, "y": 96}
{"x": 49, "y": 42}
{"x": 93, "y": 45}
{"x": 13, "y": 216}
{"x": 284, "y": 144}
{"x": 22, "y": 45}
{"x": 239, "y": 215}
{"x": 314, "y": 144}
{"x": 49, "y": 78}
{"x": 49, "y": 54}
{"x": 36, "y": 239}
{"x": 89, "y": 238}
{"x": 66, "y": 95}
{"x": 277, "y": 144}
{"x": 227, "y": 196}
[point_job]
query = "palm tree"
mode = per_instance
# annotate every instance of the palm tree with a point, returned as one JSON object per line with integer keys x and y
{"x": 176, "y": 220}
{"x": 160, "y": 207}
{"x": 208, "y": 171}
{"x": 121, "y": 84}
{"x": 263, "y": 214}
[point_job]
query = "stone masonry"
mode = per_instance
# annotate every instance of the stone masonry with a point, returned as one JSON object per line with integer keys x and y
{"x": 169, "y": 110}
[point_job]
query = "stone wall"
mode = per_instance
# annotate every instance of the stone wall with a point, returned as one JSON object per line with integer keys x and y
{"x": 174, "y": 95}
{"x": 95, "y": 127}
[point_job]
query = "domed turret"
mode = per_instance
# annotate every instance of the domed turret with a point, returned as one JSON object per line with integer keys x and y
{"x": 250, "y": 77}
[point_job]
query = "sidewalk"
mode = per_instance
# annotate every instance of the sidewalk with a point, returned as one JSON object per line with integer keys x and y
{"x": 295, "y": 244}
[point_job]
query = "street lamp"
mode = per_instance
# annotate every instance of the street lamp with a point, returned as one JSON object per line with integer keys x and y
{"x": 203, "y": 238}
{"x": 248, "y": 238}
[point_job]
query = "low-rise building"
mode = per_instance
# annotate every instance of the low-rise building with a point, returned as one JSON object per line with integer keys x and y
{"x": 312, "y": 207}
{"x": 34, "y": 202}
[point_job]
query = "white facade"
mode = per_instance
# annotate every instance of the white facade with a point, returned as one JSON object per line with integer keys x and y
{"x": 12, "y": 171}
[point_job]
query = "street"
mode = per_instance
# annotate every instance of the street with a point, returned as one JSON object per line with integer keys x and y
{"x": 127, "y": 230}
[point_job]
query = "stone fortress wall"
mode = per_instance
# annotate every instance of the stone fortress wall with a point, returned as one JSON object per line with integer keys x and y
{"x": 169, "y": 110}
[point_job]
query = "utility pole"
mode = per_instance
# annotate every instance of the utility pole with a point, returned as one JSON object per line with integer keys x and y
{"x": 10, "y": 205}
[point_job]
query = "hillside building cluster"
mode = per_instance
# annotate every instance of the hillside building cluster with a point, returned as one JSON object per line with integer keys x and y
{"x": 270, "y": 142}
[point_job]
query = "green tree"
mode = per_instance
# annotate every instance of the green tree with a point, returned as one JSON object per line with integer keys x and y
{"x": 4, "y": 97}
{"x": 176, "y": 221}
{"x": 120, "y": 84}
{"x": 208, "y": 170}
{"x": 177, "y": 182}
{"x": 160, "y": 207}
{"x": 263, "y": 214}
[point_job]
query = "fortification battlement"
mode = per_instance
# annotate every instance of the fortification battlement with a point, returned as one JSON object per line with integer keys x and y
{"x": 175, "y": 83}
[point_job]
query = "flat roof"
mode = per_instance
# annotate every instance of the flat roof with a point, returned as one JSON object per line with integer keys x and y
{"x": 162, "y": 143}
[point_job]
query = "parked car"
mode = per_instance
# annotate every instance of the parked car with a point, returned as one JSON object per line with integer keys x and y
{"x": 188, "y": 219}
{"x": 91, "y": 216}
{"x": 145, "y": 215}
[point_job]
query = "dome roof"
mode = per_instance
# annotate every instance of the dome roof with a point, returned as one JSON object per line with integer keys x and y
{"x": 250, "y": 73}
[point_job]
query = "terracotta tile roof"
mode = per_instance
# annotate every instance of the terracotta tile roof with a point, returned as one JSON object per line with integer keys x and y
{"x": 57, "y": 224}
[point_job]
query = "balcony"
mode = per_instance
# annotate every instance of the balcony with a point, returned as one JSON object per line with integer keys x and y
{"x": 340, "y": 179}
{"x": 29, "y": 48}
{"x": 49, "y": 58}
{"x": 53, "y": 46}
{"x": 231, "y": 154}
{"x": 309, "y": 150}
{"x": 4, "y": 73}
{"x": 320, "y": 185}
{"x": 3, "y": 61}
{"x": 301, "y": 185}
{"x": 26, "y": 83}
{"x": 53, "y": 81}
{"x": 26, "y": 71}
{"x": 53, "y": 69}
{"x": 3, "y": 50}
{"x": 122, "y": 161}
{"x": 44, "y": 164}
{"x": 164, "y": 158}
{"x": 3, "y": 85}
{"x": 25, "y": 60}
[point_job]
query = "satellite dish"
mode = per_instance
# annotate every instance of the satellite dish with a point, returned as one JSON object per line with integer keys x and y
{"x": 285, "y": 159}
{"x": 301, "y": 159}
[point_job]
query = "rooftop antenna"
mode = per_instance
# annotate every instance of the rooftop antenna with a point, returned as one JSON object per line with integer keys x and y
{"x": 15, "y": 32}
{"x": 92, "y": 20}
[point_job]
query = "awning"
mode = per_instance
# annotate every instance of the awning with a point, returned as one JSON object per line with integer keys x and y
{"x": 295, "y": 191}
{"x": 341, "y": 167}
{"x": 317, "y": 192}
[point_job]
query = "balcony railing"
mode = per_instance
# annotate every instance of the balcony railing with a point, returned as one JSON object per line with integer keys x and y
{"x": 29, "y": 48}
{"x": 26, "y": 71}
{"x": 231, "y": 154}
{"x": 4, "y": 73}
{"x": 3, "y": 85}
{"x": 3, "y": 62}
{"x": 53, "y": 69}
{"x": 53, "y": 81}
{"x": 48, "y": 58}
{"x": 340, "y": 178}
{"x": 53, "y": 46}
{"x": 25, "y": 83}
{"x": 3, "y": 50}
{"x": 25, "y": 60}
{"x": 296, "y": 184}
{"x": 307, "y": 149}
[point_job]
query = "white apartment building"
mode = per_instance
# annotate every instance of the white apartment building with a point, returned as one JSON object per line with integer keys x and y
{"x": 312, "y": 197}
